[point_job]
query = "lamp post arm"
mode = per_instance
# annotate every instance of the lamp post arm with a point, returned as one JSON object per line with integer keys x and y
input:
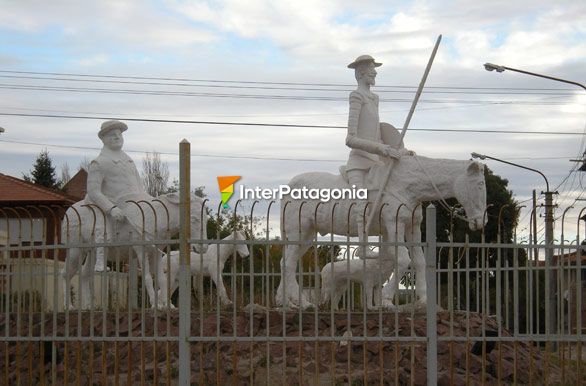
{"x": 482, "y": 156}
{"x": 545, "y": 76}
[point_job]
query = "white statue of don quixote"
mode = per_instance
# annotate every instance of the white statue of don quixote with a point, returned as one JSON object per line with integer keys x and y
{"x": 397, "y": 181}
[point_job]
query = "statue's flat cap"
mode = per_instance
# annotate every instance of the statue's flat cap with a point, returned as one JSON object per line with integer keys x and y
{"x": 362, "y": 59}
{"x": 111, "y": 125}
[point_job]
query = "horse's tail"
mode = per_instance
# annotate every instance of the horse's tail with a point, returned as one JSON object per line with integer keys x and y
{"x": 71, "y": 223}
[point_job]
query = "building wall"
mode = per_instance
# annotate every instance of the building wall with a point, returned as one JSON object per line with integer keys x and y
{"x": 38, "y": 285}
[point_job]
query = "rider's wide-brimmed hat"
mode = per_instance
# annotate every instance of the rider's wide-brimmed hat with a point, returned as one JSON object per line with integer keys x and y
{"x": 111, "y": 125}
{"x": 362, "y": 59}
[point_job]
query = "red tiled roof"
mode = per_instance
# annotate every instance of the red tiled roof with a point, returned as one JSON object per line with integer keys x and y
{"x": 566, "y": 258}
{"x": 570, "y": 258}
{"x": 15, "y": 190}
{"x": 77, "y": 185}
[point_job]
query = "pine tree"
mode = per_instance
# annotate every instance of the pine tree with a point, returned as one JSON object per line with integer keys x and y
{"x": 43, "y": 172}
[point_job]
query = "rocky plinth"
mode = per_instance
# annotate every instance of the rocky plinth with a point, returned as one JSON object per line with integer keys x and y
{"x": 270, "y": 347}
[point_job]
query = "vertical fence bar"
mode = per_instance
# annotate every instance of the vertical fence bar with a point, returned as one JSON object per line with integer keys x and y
{"x": 430, "y": 277}
{"x": 185, "y": 263}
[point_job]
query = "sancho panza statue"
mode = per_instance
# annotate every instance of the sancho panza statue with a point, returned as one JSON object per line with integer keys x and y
{"x": 113, "y": 178}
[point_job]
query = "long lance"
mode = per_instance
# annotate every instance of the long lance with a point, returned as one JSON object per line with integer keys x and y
{"x": 385, "y": 181}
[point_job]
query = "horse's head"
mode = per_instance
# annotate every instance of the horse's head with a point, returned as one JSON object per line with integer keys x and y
{"x": 241, "y": 248}
{"x": 470, "y": 191}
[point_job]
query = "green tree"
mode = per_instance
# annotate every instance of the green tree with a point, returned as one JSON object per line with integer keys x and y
{"x": 503, "y": 216}
{"x": 43, "y": 172}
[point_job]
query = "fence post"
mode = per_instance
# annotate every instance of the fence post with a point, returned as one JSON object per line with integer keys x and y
{"x": 431, "y": 280}
{"x": 133, "y": 283}
{"x": 184, "y": 265}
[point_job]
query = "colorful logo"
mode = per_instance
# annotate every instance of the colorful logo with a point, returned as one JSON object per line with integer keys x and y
{"x": 226, "y": 184}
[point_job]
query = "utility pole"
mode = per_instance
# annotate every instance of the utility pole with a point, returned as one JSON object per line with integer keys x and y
{"x": 550, "y": 282}
{"x": 550, "y": 271}
{"x": 535, "y": 224}
{"x": 583, "y": 160}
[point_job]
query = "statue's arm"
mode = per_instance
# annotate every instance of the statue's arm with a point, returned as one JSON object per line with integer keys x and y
{"x": 137, "y": 178}
{"x": 95, "y": 179}
{"x": 353, "y": 141}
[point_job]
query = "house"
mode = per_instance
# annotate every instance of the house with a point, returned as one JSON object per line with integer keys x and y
{"x": 30, "y": 229}
{"x": 573, "y": 270}
{"x": 76, "y": 187}
{"x": 30, "y": 215}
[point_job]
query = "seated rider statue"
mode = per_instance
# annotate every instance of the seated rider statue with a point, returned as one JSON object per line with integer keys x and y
{"x": 113, "y": 179}
{"x": 368, "y": 139}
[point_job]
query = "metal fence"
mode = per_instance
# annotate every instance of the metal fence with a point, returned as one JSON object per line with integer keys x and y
{"x": 488, "y": 323}
{"x": 486, "y": 320}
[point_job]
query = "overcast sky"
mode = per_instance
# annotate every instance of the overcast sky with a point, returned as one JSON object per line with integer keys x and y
{"x": 308, "y": 42}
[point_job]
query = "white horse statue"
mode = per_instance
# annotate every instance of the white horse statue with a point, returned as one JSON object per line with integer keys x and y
{"x": 414, "y": 179}
{"x": 151, "y": 220}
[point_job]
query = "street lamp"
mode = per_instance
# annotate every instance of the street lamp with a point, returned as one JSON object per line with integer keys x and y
{"x": 550, "y": 283}
{"x": 548, "y": 198}
{"x": 499, "y": 68}
{"x": 482, "y": 157}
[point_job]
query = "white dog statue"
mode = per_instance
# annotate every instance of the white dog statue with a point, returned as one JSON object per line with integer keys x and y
{"x": 371, "y": 273}
{"x": 209, "y": 264}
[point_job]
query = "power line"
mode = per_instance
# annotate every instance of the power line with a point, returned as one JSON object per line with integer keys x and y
{"x": 171, "y": 153}
{"x": 450, "y": 90}
{"x": 203, "y": 155}
{"x": 179, "y": 121}
{"x": 8, "y": 86}
{"x": 280, "y": 115}
{"x": 270, "y": 83}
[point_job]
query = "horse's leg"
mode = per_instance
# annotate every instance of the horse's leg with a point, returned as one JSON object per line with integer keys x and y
{"x": 219, "y": 282}
{"x": 69, "y": 270}
{"x": 86, "y": 278}
{"x": 400, "y": 260}
{"x": 288, "y": 290}
{"x": 154, "y": 261}
{"x": 171, "y": 278}
{"x": 326, "y": 284}
{"x": 329, "y": 283}
{"x": 376, "y": 295}
{"x": 368, "y": 288}
{"x": 162, "y": 276}
{"x": 142, "y": 255}
{"x": 100, "y": 257}
{"x": 339, "y": 288}
{"x": 413, "y": 235}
